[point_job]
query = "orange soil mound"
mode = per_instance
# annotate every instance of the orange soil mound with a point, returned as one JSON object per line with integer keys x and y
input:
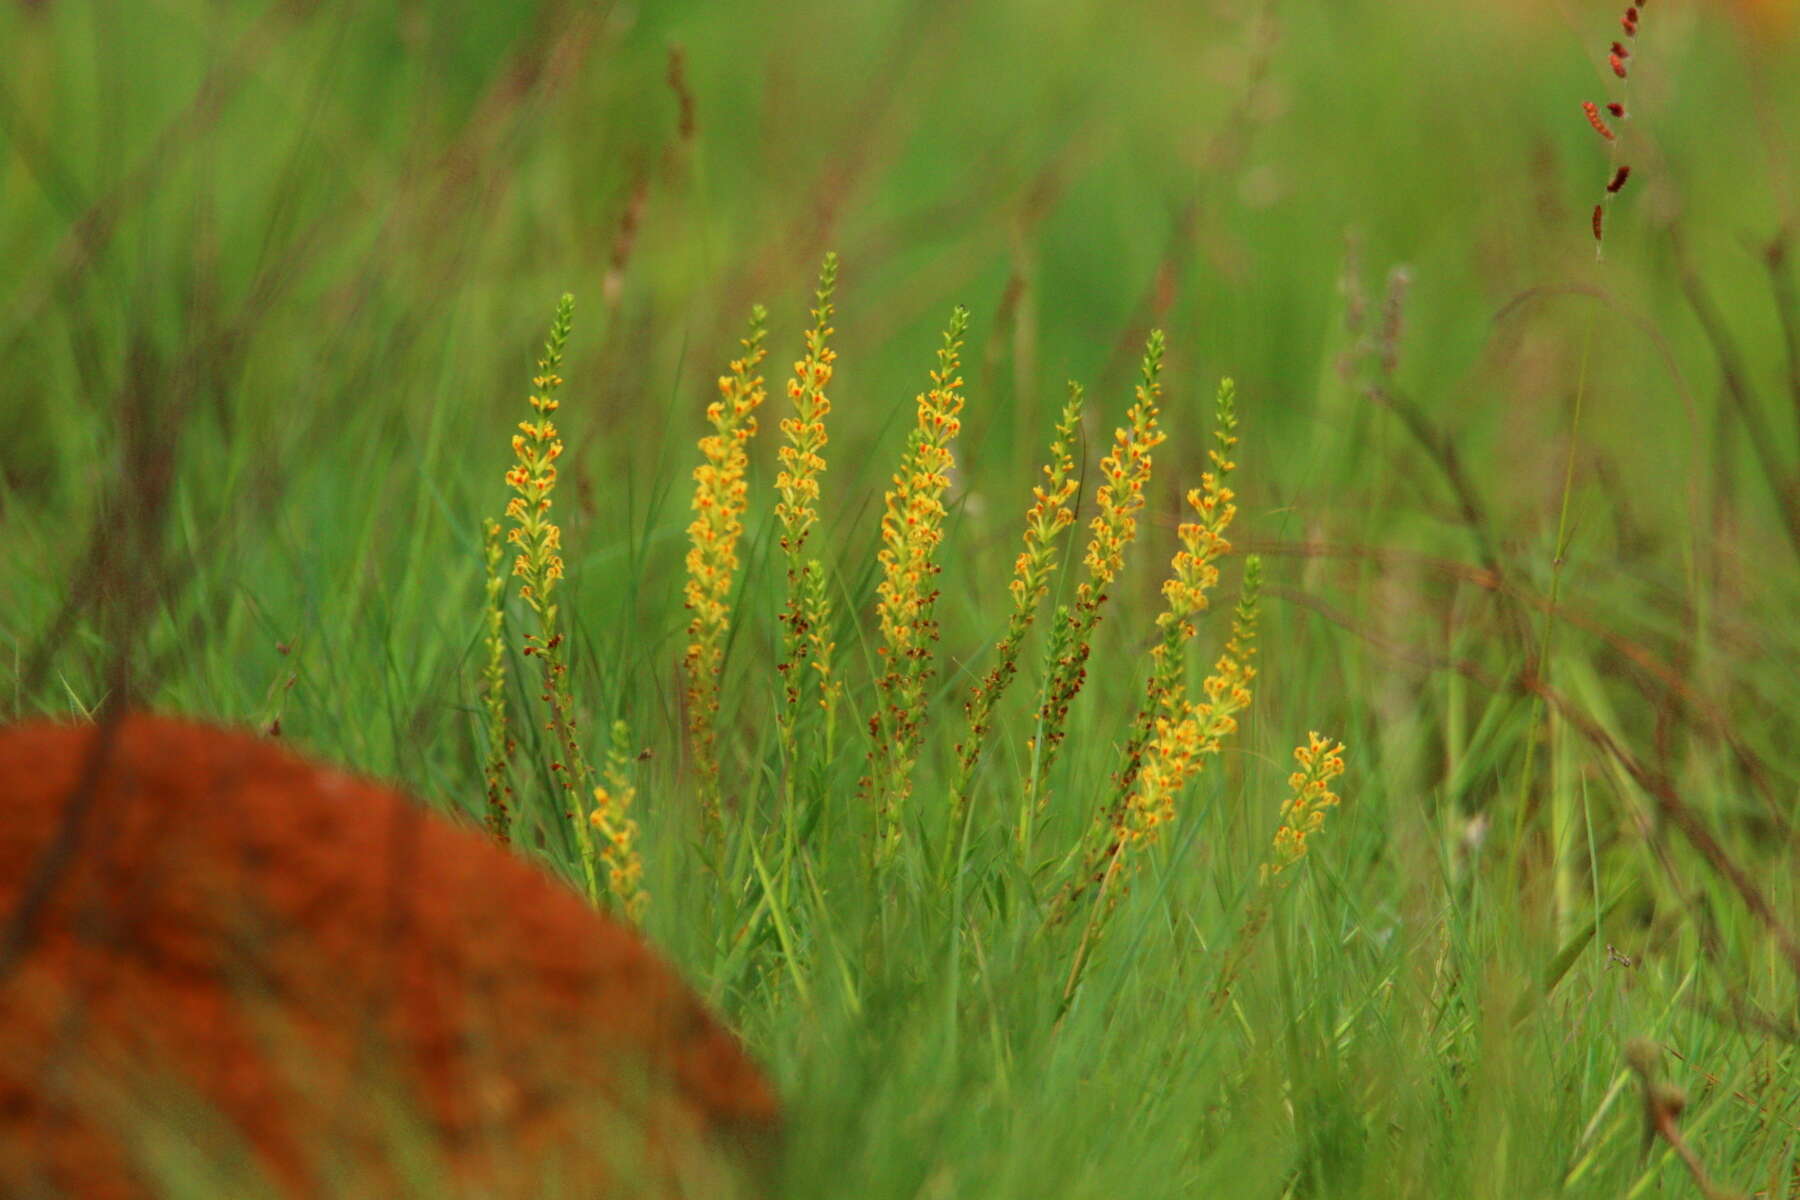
{"x": 251, "y": 955}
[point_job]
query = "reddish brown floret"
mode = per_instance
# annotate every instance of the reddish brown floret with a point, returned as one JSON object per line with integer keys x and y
{"x": 1599, "y": 219}
{"x": 1593, "y": 115}
{"x": 1618, "y": 179}
{"x": 251, "y": 958}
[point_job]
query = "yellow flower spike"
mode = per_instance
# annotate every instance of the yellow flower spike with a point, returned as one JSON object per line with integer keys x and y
{"x": 911, "y": 531}
{"x": 1309, "y": 797}
{"x": 712, "y": 561}
{"x": 1187, "y": 733}
{"x": 493, "y": 690}
{"x": 533, "y": 479}
{"x": 815, "y": 625}
{"x": 610, "y": 817}
{"x": 1184, "y": 735}
{"x": 1124, "y": 473}
{"x": 1193, "y": 572}
{"x": 1050, "y": 513}
{"x": 1302, "y": 815}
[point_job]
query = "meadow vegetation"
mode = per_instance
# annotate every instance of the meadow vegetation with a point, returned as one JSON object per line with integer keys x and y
{"x": 1200, "y": 640}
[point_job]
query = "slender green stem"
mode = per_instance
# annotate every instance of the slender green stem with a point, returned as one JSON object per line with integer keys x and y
{"x": 1541, "y": 668}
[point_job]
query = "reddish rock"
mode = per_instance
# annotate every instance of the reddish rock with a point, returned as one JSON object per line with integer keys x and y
{"x": 254, "y": 967}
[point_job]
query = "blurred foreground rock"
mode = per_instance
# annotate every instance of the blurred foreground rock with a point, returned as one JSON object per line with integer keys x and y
{"x": 252, "y": 975}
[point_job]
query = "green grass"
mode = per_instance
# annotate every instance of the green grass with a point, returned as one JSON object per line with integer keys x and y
{"x": 297, "y": 260}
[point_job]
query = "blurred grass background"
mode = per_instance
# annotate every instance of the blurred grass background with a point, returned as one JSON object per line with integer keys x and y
{"x": 276, "y": 274}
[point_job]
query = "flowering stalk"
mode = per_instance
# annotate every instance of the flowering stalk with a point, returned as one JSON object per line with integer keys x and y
{"x": 1185, "y": 735}
{"x": 1125, "y": 472}
{"x": 1618, "y": 58}
{"x": 493, "y": 690}
{"x": 1302, "y": 815}
{"x": 911, "y": 530}
{"x": 1194, "y": 572}
{"x": 1303, "y": 812}
{"x": 1540, "y": 660}
{"x": 805, "y": 620}
{"x": 720, "y": 496}
{"x": 532, "y": 478}
{"x": 618, "y": 832}
{"x": 815, "y": 615}
{"x": 1050, "y": 513}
